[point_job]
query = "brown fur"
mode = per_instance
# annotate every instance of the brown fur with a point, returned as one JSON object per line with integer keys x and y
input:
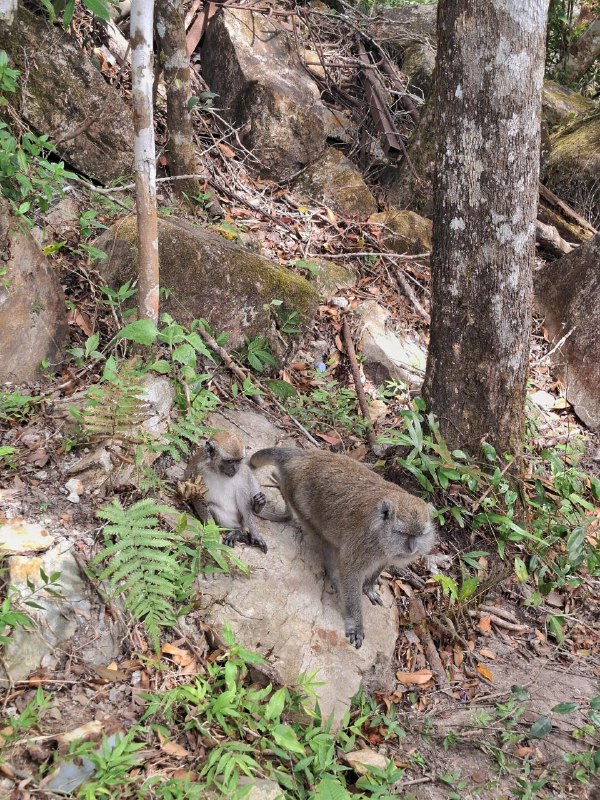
{"x": 365, "y": 522}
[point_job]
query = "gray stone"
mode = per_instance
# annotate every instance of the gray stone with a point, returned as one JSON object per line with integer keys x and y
{"x": 287, "y": 610}
{"x": 567, "y": 293}
{"x": 33, "y": 317}
{"x": 66, "y": 94}
{"x": 262, "y": 789}
{"x": 58, "y": 619}
{"x": 388, "y": 355}
{"x": 252, "y": 64}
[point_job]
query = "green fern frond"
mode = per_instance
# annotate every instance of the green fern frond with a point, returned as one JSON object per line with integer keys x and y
{"x": 143, "y": 563}
{"x": 183, "y": 434}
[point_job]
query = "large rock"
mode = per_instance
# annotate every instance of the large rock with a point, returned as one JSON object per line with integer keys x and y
{"x": 252, "y": 64}
{"x": 336, "y": 182}
{"x": 409, "y": 31}
{"x": 404, "y": 231}
{"x": 287, "y": 610}
{"x": 561, "y": 104}
{"x": 573, "y": 167}
{"x": 33, "y": 317}
{"x": 64, "y": 93}
{"x": 209, "y": 277}
{"x": 388, "y": 355}
{"x": 567, "y": 293}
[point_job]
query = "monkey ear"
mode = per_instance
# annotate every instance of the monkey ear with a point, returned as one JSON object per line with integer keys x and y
{"x": 210, "y": 448}
{"x": 386, "y": 509}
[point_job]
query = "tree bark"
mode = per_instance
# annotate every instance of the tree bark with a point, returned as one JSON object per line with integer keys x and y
{"x": 144, "y": 155}
{"x": 490, "y": 69}
{"x": 170, "y": 26}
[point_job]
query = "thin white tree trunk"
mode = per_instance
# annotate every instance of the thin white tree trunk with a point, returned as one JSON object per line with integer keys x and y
{"x": 8, "y": 11}
{"x": 144, "y": 153}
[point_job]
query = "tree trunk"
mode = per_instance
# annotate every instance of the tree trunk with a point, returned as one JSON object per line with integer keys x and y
{"x": 144, "y": 154}
{"x": 490, "y": 69}
{"x": 170, "y": 25}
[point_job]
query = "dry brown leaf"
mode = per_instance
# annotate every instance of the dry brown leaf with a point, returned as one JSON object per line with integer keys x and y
{"x": 458, "y": 655}
{"x": 111, "y": 674}
{"x": 521, "y": 752}
{"x": 487, "y": 674}
{"x": 226, "y": 150}
{"x": 487, "y": 653}
{"x": 485, "y": 624}
{"x": 174, "y": 749}
{"x": 173, "y": 650}
{"x": 414, "y": 678}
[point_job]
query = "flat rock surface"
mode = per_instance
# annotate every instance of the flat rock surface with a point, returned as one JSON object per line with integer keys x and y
{"x": 286, "y": 609}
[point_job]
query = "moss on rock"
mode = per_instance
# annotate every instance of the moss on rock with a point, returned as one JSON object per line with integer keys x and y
{"x": 209, "y": 277}
{"x": 404, "y": 231}
{"x": 335, "y": 182}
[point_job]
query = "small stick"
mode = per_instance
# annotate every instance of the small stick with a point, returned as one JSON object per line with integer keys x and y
{"x": 360, "y": 392}
{"x": 408, "y": 291}
{"x": 239, "y": 373}
{"x": 499, "y": 612}
{"x": 419, "y": 619}
{"x": 490, "y": 487}
{"x": 501, "y": 623}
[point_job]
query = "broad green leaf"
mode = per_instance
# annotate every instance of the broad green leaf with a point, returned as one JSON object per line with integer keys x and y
{"x": 185, "y": 354}
{"x": 540, "y": 728}
{"x": 286, "y": 737}
{"x": 282, "y": 389}
{"x": 161, "y": 366}
{"x": 555, "y": 625}
{"x": 275, "y": 705}
{"x": 330, "y": 789}
{"x": 521, "y": 570}
{"x": 595, "y": 703}
{"x": 468, "y": 588}
{"x": 565, "y": 708}
{"x": 448, "y": 585}
{"x": 98, "y": 9}
{"x": 142, "y": 331}
{"x": 520, "y": 692}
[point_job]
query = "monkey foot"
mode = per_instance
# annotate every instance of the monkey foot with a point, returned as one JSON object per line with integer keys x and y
{"x": 355, "y": 637}
{"x": 373, "y": 595}
{"x": 255, "y": 540}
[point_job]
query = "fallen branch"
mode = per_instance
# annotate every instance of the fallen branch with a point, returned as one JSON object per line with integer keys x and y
{"x": 419, "y": 619}
{"x": 360, "y": 392}
{"x": 239, "y": 373}
{"x": 408, "y": 291}
{"x": 499, "y": 622}
{"x": 569, "y": 212}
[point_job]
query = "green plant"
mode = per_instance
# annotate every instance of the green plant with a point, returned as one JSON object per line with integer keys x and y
{"x": 329, "y": 406}
{"x": 31, "y": 715}
{"x": 16, "y": 407}
{"x": 88, "y": 351}
{"x": 143, "y": 563}
{"x": 257, "y": 354}
{"x": 99, "y": 8}
{"x": 113, "y": 762}
{"x": 7, "y": 457}
{"x": 11, "y": 618}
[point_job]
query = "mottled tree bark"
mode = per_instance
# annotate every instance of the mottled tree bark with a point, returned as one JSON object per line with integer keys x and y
{"x": 170, "y": 27}
{"x": 144, "y": 155}
{"x": 490, "y": 68}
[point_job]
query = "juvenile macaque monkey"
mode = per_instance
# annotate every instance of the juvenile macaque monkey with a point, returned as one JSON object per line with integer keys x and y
{"x": 365, "y": 523}
{"x": 233, "y": 494}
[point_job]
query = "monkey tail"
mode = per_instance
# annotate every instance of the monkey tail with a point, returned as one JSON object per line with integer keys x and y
{"x": 277, "y": 456}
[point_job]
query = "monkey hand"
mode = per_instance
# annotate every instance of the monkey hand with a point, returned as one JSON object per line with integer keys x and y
{"x": 355, "y": 635}
{"x": 256, "y": 540}
{"x": 373, "y": 595}
{"x": 257, "y": 503}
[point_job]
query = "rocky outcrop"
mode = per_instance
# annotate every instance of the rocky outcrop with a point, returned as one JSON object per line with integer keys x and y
{"x": 211, "y": 278}
{"x": 286, "y": 609}
{"x": 335, "y": 182}
{"x": 573, "y": 167}
{"x": 388, "y": 355}
{"x": 409, "y": 31}
{"x": 33, "y": 317}
{"x": 65, "y": 96}
{"x": 567, "y": 293}
{"x": 561, "y": 104}
{"x": 252, "y": 64}
{"x": 404, "y": 231}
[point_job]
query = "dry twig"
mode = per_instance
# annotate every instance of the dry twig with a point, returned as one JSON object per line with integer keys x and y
{"x": 360, "y": 392}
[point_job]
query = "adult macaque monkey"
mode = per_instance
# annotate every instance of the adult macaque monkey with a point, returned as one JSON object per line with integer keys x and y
{"x": 365, "y": 523}
{"x": 233, "y": 495}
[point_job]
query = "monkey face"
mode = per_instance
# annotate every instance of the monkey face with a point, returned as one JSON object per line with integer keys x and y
{"x": 229, "y": 467}
{"x": 405, "y": 538}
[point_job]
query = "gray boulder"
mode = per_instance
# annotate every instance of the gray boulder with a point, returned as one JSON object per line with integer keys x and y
{"x": 209, "y": 277}
{"x": 252, "y": 64}
{"x": 33, "y": 317}
{"x": 567, "y": 293}
{"x": 66, "y": 97}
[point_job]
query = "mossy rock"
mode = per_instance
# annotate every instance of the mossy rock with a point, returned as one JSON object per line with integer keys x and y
{"x": 573, "y": 167}
{"x": 211, "y": 278}
{"x": 561, "y": 104}
{"x": 404, "y": 231}
{"x": 328, "y": 276}
{"x": 336, "y": 182}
